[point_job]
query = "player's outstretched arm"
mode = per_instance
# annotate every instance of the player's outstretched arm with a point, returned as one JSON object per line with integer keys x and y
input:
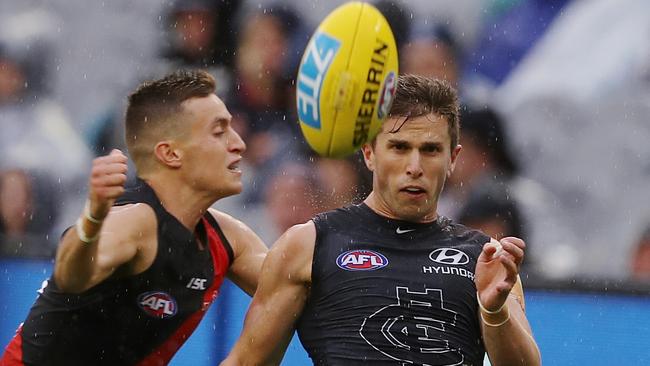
{"x": 506, "y": 333}
{"x": 100, "y": 242}
{"x": 248, "y": 249}
{"x": 279, "y": 300}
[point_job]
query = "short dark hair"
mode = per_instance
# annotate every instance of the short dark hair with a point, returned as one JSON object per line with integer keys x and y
{"x": 153, "y": 107}
{"x": 419, "y": 95}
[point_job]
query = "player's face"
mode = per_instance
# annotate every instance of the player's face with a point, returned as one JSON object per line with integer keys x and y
{"x": 212, "y": 150}
{"x": 410, "y": 167}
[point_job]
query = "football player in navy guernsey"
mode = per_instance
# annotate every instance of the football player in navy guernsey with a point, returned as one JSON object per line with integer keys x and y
{"x": 135, "y": 275}
{"x": 389, "y": 281}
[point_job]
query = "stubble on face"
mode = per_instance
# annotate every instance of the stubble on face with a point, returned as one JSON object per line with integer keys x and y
{"x": 410, "y": 167}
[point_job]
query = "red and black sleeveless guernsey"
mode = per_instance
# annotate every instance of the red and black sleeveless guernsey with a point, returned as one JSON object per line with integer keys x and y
{"x": 391, "y": 292}
{"x": 138, "y": 320}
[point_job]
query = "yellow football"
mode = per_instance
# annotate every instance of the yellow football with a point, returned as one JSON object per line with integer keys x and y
{"x": 346, "y": 80}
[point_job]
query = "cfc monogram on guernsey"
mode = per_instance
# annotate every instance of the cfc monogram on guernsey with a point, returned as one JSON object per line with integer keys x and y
{"x": 138, "y": 320}
{"x": 391, "y": 292}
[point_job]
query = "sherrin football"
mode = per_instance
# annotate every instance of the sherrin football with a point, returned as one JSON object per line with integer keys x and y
{"x": 346, "y": 80}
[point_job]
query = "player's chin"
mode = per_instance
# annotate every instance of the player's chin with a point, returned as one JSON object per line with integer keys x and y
{"x": 231, "y": 188}
{"x": 416, "y": 211}
{"x": 237, "y": 188}
{"x": 412, "y": 213}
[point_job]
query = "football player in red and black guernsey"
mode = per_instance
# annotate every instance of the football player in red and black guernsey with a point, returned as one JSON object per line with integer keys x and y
{"x": 389, "y": 281}
{"x": 135, "y": 275}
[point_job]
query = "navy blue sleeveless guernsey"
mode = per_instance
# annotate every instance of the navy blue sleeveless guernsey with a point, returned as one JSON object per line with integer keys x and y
{"x": 391, "y": 292}
{"x": 137, "y": 320}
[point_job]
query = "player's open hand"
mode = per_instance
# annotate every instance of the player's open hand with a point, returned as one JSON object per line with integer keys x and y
{"x": 497, "y": 269}
{"x": 106, "y": 183}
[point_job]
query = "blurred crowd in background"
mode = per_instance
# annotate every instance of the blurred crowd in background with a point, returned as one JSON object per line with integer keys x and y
{"x": 555, "y": 122}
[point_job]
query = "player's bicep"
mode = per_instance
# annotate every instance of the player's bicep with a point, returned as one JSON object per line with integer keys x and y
{"x": 247, "y": 264}
{"x": 280, "y": 296}
{"x": 124, "y": 231}
{"x": 270, "y": 320}
{"x": 279, "y": 300}
{"x": 248, "y": 249}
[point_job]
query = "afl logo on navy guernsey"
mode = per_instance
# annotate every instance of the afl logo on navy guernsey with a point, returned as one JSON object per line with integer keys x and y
{"x": 449, "y": 256}
{"x": 158, "y": 304}
{"x": 361, "y": 260}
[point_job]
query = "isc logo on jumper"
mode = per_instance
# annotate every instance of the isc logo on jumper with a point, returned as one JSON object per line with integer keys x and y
{"x": 361, "y": 260}
{"x": 196, "y": 283}
{"x": 158, "y": 304}
{"x": 318, "y": 57}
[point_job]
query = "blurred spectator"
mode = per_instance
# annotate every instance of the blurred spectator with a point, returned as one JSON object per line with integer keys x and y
{"x": 262, "y": 101}
{"x": 491, "y": 210}
{"x": 201, "y": 34}
{"x": 106, "y": 132}
{"x": 399, "y": 17}
{"x": 297, "y": 191}
{"x": 291, "y": 196}
{"x": 263, "y": 67}
{"x": 487, "y": 179}
{"x": 577, "y": 107}
{"x": 485, "y": 158}
{"x": 198, "y": 34}
{"x": 42, "y": 158}
{"x": 640, "y": 263}
{"x": 16, "y": 202}
{"x": 294, "y": 192}
{"x": 339, "y": 181}
{"x": 507, "y": 38}
{"x": 432, "y": 51}
{"x": 23, "y": 228}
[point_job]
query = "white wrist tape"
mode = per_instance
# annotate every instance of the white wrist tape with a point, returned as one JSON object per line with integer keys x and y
{"x": 82, "y": 234}
{"x": 88, "y": 216}
{"x": 495, "y": 325}
{"x": 486, "y": 311}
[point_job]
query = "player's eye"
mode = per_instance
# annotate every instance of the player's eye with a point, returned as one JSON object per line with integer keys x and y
{"x": 431, "y": 148}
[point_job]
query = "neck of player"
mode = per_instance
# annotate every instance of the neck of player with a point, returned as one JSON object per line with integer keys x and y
{"x": 182, "y": 201}
{"x": 381, "y": 207}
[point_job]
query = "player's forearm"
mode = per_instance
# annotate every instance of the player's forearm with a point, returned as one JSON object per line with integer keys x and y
{"x": 509, "y": 343}
{"x": 260, "y": 342}
{"x": 76, "y": 256}
{"x": 247, "y": 359}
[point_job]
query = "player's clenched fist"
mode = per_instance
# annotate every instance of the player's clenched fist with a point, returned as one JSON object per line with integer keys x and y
{"x": 106, "y": 183}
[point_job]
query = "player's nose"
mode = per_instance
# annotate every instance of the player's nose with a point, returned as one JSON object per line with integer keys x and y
{"x": 236, "y": 143}
{"x": 414, "y": 165}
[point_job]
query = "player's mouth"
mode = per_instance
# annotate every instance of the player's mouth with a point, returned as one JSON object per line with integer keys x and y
{"x": 234, "y": 167}
{"x": 414, "y": 191}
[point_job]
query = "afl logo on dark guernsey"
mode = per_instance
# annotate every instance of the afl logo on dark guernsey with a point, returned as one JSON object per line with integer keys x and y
{"x": 158, "y": 304}
{"x": 361, "y": 260}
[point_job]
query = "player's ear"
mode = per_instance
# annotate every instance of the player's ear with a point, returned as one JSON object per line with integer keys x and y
{"x": 369, "y": 155}
{"x": 168, "y": 154}
{"x": 454, "y": 156}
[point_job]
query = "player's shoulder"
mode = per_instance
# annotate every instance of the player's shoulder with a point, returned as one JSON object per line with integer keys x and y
{"x": 225, "y": 220}
{"x": 300, "y": 233}
{"x": 346, "y": 214}
{"x": 298, "y": 240}
{"x": 464, "y": 234}
{"x": 138, "y": 216}
{"x": 294, "y": 251}
{"x": 236, "y": 232}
